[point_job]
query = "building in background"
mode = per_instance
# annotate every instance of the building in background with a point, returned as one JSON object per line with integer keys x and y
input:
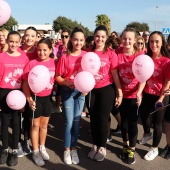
{"x": 45, "y": 30}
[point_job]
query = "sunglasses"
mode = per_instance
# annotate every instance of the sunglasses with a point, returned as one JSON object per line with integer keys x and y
{"x": 146, "y": 34}
{"x": 64, "y": 36}
{"x": 140, "y": 43}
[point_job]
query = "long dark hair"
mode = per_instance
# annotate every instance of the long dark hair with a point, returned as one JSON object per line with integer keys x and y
{"x": 101, "y": 28}
{"x": 69, "y": 45}
{"x": 164, "y": 50}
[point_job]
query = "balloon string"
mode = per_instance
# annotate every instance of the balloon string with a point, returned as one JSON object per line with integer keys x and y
{"x": 157, "y": 109}
{"x": 33, "y": 113}
{"x": 89, "y": 98}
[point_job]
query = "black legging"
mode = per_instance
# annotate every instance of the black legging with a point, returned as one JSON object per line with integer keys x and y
{"x": 26, "y": 123}
{"x": 102, "y": 100}
{"x": 167, "y": 114}
{"x": 129, "y": 118}
{"x": 147, "y": 106}
{"x": 6, "y": 114}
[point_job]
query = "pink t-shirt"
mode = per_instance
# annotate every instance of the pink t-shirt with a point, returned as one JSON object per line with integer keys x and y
{"x": 156, "y": 81}
{"x": 31, "y": 56}
{"x": 167, "y": 75}
{"x": 109, "y": 62}
{"x": 50, "y": 64}
{"x": 11, "y": 70}
{"x": 61, "y": 50}
{"x": 127, "y": 79}
{"x": 69, "y": 66}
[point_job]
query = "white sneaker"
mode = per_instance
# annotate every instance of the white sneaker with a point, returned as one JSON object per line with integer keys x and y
{"x": 146, "y": 138}
{"x": 100, "y": 155}
{"x": 20, "y": 150}
{"x": 38, "y": 159}
{"x": 92, "y": 152}
{"x": 67, "y": 157}
{"x": 44, "y": 153}
{"x": 74, "y": 157}
{"x": 151, "y": 154}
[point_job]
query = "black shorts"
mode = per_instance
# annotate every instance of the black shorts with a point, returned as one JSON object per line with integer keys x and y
{"x": 43, "y": 107}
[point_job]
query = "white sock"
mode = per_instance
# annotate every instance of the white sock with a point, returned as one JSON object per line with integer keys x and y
{"x": 42, "y": 147}
{"x": 36, "y": 151}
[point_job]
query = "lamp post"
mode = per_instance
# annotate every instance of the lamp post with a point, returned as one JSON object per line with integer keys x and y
{"x": 156, "y": 18}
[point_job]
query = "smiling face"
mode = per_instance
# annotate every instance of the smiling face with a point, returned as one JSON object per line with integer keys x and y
{"x": 155, "y": 43}
{"x": 30, "y": 37}
{"x": 100, "y": 38}
{"x": 128, "y": 39}
{"x": 43, "y": 52}
{"x": 77, "y": 41}
{"x": 13, "y": 41}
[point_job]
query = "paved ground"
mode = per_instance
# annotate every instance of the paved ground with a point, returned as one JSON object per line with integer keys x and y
{"x": 55, "y": 148}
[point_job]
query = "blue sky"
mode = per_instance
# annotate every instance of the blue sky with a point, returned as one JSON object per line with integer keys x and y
{"x": 120, "y": 13}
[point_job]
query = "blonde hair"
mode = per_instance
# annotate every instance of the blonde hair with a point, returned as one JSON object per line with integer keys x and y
{"x": 141, "y": 38}
{"x": 5, "y": 32}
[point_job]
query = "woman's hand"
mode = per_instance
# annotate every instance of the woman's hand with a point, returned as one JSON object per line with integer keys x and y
{"x": 32, "y": 105}
{"x": 167, "y": 92}
{"x": 118, "y": 101}
{"x": 84, "y": 94}
{"x": 69, "y": 84}
{"x": 22, "y": 110}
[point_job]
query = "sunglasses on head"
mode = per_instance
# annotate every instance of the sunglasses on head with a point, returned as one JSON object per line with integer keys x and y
{"x": 140, "y": 43}
{"x": 64, "y": 36}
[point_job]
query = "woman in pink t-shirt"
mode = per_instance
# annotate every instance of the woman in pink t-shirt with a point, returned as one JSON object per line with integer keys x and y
{"x": 72, "y": 100}
{"x": 154, "y": 93}
{"x": 43, "y": 105}
{"x": 103, "y": 94}
{"x": 29, "y": 49}
{"x": 12, "y": 64}
{"x": 29, "y": 40}
{"x": 131, "y": 94}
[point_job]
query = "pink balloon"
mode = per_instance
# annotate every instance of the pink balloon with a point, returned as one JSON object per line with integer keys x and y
{"x": 91, "y": 62}
{"x": 143, "y": 67}
{"x": 16, "y": 99}
{"x": 38, "y": 78}
{"x": 5, "y": 12}
{"x": 84, "y": 81}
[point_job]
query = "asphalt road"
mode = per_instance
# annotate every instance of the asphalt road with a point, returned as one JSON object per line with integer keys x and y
{"x": 54, "y": 145}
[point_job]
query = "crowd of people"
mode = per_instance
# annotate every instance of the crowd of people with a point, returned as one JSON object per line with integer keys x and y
{"x": 116, "y": 91}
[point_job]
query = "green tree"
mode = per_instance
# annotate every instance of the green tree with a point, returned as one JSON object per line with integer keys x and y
{"x": 138, "y": 26}
{"x": 103, "y": 19}
{"x": 9, "y": 24}
{"x": 65, "y": 23}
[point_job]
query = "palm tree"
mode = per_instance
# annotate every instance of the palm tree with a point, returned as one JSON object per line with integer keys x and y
{"x": 103, "y": 19}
